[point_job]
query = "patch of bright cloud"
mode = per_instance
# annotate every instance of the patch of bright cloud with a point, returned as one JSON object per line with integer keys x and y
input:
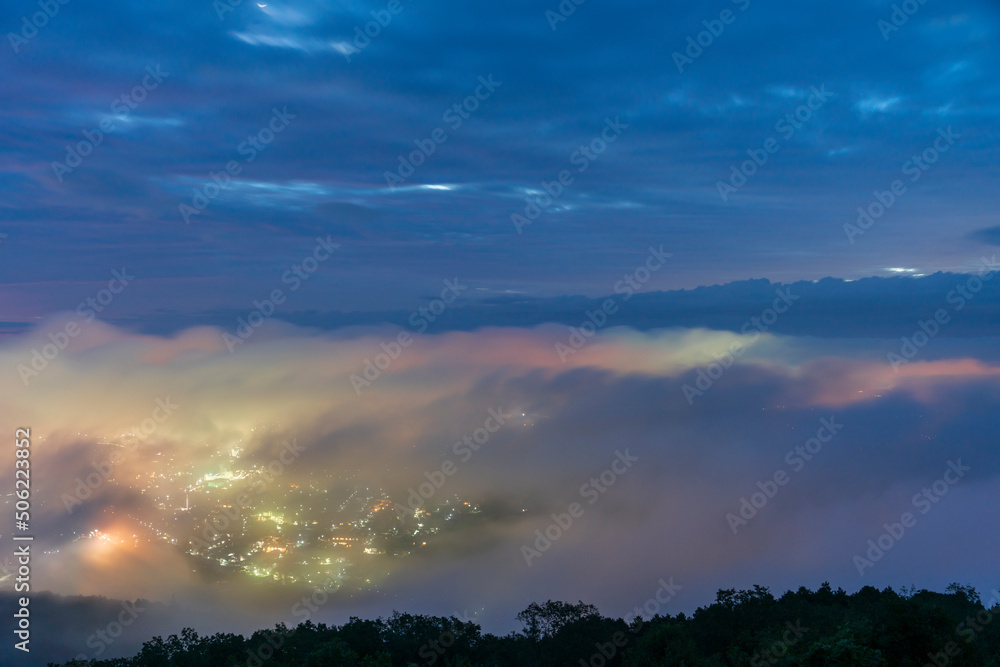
{"x": 304, "y": 44}
{"x": 872, "y": 105}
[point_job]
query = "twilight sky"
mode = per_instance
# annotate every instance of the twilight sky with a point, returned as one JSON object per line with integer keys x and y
{"x": 480, "y": 177}
{"x": 356, "y": 110}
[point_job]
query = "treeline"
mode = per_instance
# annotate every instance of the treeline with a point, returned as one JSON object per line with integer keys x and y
{"x": 822, "y": 627}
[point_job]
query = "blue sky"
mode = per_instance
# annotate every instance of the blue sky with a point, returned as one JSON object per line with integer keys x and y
{"x": 223, "y": 73}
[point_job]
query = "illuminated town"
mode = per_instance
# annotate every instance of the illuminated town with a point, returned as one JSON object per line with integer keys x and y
{"x": 242, "y": 520}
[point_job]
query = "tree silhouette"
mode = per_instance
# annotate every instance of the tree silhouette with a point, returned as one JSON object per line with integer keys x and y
{"x": 870, "y": 628}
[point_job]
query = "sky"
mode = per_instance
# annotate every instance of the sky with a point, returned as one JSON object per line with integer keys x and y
{"x": 688, "y": 232}
{"x": 222, "y": 71}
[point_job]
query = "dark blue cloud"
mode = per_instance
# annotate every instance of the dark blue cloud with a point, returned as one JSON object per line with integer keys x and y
{"x": 989, "y": 235}
{"x": 357, "y": 110}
